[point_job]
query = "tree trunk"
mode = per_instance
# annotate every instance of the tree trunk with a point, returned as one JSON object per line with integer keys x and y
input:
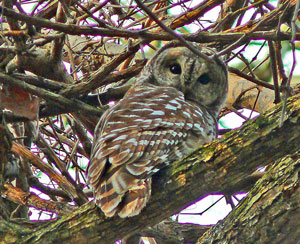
{"x": 218, "y": 167}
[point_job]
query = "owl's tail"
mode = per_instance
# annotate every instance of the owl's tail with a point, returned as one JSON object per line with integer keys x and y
{"x": 125, "y": 196}
{"x": 135, "y": 199}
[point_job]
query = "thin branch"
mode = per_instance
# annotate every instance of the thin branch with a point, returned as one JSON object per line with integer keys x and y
{"x": 293, "y": 21}
{"x": 286, "y": 89}
{"x": 280, "y": 65}
{"x": 243, "y": 38}
{"x": 171, "y": 32}
{"x": 51, "y": 192}
{"x": 37, "y": 162}
{"x": 54, "y": 98}
{"x": 137, "y": 34}
{"x": 250, "y": 78}
{"x": 96, "y": 79}
{"x": 45, "y": 147}
{"x": 195, "y": 13}
{"x": 30, "y": 199}
{"x": 274, "y": 71}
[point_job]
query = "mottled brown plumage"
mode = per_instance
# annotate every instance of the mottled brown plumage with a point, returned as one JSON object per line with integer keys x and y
{"x": 170, "y": 110}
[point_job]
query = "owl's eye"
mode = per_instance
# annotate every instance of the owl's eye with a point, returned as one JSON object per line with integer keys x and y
{"x": 175, "y": 69}
{"x": 204, "y": 79}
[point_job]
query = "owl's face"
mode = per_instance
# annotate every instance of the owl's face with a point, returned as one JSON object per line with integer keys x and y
{"x": 200, "y": 81}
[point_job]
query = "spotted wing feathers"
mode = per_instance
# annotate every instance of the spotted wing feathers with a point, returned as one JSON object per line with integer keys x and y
{"x": 148, "y": 127}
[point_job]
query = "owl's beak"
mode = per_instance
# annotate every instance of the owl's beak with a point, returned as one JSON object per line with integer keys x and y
{"x": 182, "y": 85}
{"x": 187, "y": 81}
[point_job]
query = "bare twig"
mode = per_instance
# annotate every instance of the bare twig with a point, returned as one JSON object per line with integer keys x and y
{"x": 51, "y": 192}
{"x": 250, "y": 78}
{"x": 16, "y": 195}
{"x": 293, "y": 21}
{"x": 37, "y": 162}
{"x": 54, "y": 98}
{"x": 274, "y": 70}
{"x": 171, "y": 32}
{"x": 286, "y": 89}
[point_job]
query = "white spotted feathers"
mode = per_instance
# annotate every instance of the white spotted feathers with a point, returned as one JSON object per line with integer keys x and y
{"x": 152, "y": 126}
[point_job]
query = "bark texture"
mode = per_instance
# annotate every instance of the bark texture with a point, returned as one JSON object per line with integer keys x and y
{"x": 269, "y": 214}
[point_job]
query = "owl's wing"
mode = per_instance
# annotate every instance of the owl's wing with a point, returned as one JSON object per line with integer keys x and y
{"x": 149, "y": 127}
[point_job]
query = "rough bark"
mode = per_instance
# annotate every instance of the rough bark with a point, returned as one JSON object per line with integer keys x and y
{"x": 172, "y": 232}
{"x": 269, "y": 214}
{"x": 213, "y": 168}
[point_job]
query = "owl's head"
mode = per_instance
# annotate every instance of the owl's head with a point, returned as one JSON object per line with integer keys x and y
{"x": 201, "y": 80}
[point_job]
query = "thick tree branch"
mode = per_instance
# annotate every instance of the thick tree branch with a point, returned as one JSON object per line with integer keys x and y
{"x": 172, "y": 232}
{"x": 213, "y": 168}
{"x": 269, "y": 214}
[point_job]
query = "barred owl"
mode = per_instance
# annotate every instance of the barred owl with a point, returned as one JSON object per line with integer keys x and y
{"x": 170, "y": 110}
